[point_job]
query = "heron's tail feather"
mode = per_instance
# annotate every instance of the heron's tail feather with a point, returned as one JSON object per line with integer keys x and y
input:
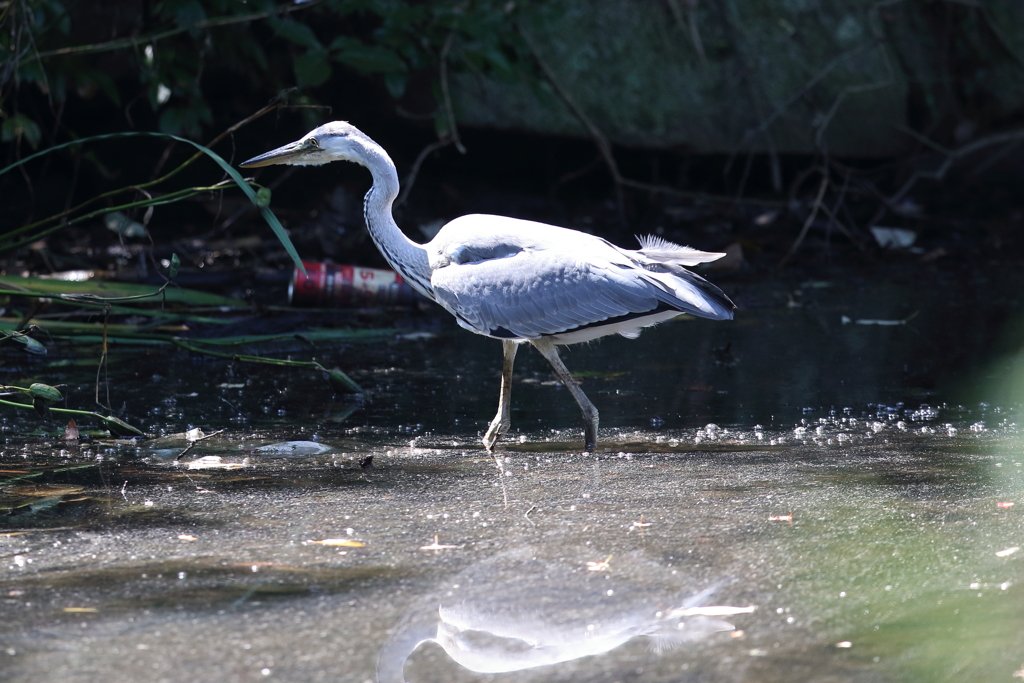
{"x": 689, "y": 292}
{"x": 661, "y": 250}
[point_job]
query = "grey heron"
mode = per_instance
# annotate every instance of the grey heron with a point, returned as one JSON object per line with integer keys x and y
{"x": 519, "y": 281}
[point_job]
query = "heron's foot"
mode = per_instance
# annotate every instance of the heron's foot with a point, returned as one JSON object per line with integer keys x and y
{"x": 495, "y": 431}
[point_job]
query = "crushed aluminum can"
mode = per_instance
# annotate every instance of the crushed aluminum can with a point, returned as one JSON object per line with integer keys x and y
{"x": 331, "y": 285}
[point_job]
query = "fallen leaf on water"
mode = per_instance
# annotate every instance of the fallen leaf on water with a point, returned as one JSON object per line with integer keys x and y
{"x": 344, "y": 542}
{"x": 781, "y": 518}
{"x": 1004, "y": 505}
{"x": 844, "y": 644}
{"x": 186, "y": 537}
{"x": 1007, "y": 552}
{"x": 81, "y": 610}
{"x": 599, "y": 566}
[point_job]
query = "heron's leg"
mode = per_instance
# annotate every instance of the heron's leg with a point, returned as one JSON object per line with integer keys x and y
{"x": 503, "y": 420}
{"x": 590, "y": 417}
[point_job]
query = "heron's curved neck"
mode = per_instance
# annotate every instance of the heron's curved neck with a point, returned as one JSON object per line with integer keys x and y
{"x": 408, "y": 258}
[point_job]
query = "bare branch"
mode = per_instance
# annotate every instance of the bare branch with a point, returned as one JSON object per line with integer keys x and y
{"x": 447, "y": 96}
{"x": 810, "y": 219}
{"x": 410, "y": 179}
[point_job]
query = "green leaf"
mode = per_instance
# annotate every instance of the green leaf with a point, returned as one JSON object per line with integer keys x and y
{"x": 371, "y": 59}
{"x": 300, "y": 34}
{"x": 21, "y": 126}
{"x": 344, "y": 43}
{"x": 396, "y": 83}
{"x": 263, "y": 197}
{"x": 190, "y": 13}
{"x": 499, "y": 61}
{"x": 45, "y": 392}
{"x": 312, "y": 69}
{"x": 118, "y": 427}
{"x": 341, "y": 382}
{"x": 172, "y": 270}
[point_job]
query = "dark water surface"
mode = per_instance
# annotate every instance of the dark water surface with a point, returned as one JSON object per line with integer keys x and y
{"x": 781, "y": 498}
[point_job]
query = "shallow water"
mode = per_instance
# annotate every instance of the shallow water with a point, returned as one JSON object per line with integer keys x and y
{"x": 851, "y": 483}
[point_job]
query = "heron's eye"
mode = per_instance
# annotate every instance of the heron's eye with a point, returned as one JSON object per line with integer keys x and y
{"x": 314, "y": 143}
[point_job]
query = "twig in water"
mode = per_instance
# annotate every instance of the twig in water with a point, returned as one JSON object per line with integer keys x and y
{"x": 102, "y": 367}
{"x": 202, "y": 438}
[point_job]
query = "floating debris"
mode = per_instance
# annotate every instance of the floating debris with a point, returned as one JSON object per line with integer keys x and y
{"x": 343, "y": 542}
{"x": 437, "y": 546}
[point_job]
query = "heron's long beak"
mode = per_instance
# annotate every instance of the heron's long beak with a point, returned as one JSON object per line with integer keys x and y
{"x": 282, "y": 155}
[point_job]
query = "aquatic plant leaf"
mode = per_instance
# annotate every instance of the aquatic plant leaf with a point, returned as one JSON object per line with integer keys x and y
{"x": 172, "y": 271}
{"x": 45, "y": 392}
{"x": 342, "y": 383}
{"x": 118, "y": 427}
{"x": 41, "y": 407}
{"x": 31, "y": 345}
{"x": 108, "y": 289}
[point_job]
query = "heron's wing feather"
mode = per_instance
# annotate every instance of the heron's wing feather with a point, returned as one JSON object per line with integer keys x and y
{"x": 511, "y": 278}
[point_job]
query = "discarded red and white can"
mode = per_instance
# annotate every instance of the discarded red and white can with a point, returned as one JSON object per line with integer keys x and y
{"x": 328, "y": 285}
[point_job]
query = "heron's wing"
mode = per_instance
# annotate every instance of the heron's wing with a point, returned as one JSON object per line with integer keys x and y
{"x": 530, "y": 292}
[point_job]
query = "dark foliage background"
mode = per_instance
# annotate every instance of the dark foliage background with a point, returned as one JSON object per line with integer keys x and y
{"x": 400, "y": 69}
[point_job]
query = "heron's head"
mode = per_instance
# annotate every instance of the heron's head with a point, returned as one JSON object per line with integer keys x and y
{"x": 335, "y": 141}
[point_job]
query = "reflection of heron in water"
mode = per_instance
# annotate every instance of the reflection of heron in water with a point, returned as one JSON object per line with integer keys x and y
{"x": 520, "y": 281}
{"x": 517, "y": 611}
